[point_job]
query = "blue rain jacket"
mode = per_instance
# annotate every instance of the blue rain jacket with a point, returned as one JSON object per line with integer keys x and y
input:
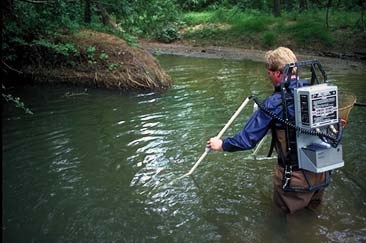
{"x": 259, "y": 123}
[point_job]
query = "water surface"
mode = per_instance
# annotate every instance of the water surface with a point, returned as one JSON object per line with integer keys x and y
{"x": 96, "y": 167}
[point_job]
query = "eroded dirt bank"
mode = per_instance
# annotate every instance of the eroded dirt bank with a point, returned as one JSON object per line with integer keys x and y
{"x": 244, "y": 54}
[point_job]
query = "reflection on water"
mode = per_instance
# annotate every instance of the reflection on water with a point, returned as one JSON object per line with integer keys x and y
{"x": 97, "y": 167}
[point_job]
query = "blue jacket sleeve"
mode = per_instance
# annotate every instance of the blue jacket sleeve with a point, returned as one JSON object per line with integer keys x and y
{"x": 254, "y": 130}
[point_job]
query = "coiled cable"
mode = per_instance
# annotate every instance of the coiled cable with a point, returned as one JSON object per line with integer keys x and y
{"x": 333, "y": 141}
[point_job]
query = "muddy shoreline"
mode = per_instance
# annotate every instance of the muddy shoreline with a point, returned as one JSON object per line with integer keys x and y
{"x": 233, "y": 53}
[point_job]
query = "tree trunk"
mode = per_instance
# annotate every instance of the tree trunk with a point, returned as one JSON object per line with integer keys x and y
{"x": 103, "y": 14}
{"x": 257, "y": 4}
{"x": 329, "y": 4}
{"x": 87, "y": 12}
{"x": 276, "y": 8}
{"x": 7, "y": 8}
{"x": 361, "y": 21}
{"x": 303, "y": 5}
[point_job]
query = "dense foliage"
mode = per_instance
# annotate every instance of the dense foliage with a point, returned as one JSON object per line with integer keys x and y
{"x": 29, "y": 22}
{"x": 26, "y": 22}
{"x": 267, "y": 5}
{"x": 38, "y": 24}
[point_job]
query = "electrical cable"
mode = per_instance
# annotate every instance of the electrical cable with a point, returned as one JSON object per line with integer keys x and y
{"x": 334, "y": 141}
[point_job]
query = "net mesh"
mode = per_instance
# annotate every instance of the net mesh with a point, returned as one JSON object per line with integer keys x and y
{"x": 345, "y": 104}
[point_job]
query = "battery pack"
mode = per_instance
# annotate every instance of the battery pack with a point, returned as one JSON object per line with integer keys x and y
{"x": 320, "y": 158}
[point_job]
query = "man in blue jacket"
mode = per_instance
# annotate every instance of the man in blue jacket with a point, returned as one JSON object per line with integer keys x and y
{"x": 257, "y": 127}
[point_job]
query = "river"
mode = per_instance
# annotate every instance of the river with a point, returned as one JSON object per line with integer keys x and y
{"x": 96, "y": 165}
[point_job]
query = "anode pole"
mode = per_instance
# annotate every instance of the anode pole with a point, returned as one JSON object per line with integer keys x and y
{"x": 219, "y": 135}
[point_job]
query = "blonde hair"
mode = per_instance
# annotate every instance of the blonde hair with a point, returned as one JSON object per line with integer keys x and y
{"x": 278, "y": 58}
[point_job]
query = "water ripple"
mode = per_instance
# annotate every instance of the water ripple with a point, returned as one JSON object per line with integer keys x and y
{"x": 94, "y": 167}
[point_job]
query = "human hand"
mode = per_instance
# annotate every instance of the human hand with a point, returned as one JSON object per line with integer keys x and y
{"x": 215, "y": 144}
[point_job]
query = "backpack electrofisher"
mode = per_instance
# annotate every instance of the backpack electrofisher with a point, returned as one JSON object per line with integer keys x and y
{"x": 316, "y": 122}
{"x": 316, "y": 108}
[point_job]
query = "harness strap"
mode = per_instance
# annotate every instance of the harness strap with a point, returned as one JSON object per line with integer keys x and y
{"x": 270, "y": 151}
{"x": 287, "y": 173}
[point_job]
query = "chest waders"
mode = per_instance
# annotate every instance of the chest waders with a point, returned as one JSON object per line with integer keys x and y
{"x": 284, "y": 137}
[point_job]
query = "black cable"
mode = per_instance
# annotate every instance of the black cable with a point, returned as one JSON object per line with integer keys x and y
{"x": 334, "y": 141}
{"x": 360, "y": 104}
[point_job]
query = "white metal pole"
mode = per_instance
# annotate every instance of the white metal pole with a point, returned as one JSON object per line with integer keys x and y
{"x": 241, "y": 107}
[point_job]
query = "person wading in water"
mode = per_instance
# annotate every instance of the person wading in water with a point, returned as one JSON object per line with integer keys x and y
{"x": 257, "y": 127}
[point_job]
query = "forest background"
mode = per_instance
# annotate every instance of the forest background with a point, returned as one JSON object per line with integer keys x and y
{"x": 35, "y": 30}
{"x": 330, "y": 26}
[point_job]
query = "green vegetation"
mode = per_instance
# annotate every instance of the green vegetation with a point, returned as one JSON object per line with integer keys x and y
{"x": 269, "y": 38}
{"x": 40, "y": 28}
{"x": 40, "y": 23}
{"x": 325, "y": 23}
{"x": 254, "y": 28}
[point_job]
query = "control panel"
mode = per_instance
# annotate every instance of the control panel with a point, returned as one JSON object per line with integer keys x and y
{"x": 317, "y": 105}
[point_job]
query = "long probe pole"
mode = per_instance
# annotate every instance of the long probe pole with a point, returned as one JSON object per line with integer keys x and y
{"x": 237, "y": 112}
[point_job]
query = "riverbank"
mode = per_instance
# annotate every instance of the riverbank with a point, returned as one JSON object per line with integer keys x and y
{"x": 341, "y": 36}
{"x": 88, "y": 58}
{"x": 182, "y": 48}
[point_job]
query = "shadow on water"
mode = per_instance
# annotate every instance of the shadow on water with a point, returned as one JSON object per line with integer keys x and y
{"x": 97, "y": 167}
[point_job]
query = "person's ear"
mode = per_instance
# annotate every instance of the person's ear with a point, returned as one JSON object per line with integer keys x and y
{"x": 278, "y": 74}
